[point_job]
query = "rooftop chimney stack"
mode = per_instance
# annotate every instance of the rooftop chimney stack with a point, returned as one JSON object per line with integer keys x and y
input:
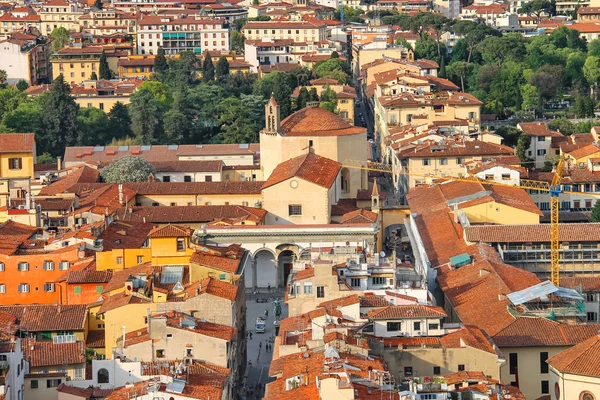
{"x": 120, "y": 193}
{"x": 59, "y": 163}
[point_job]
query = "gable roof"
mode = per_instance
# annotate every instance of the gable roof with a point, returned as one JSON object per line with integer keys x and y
{"x": 171, "y": 231}
{"x": 16, "y": 142}
{"x": 359, "y": 216}
{"x": 581, "y": 359}
{"x": 407, "y": 311}
{"x": 79, "y": 174}
{"x": 533, "y": 331}
{"x": 39, "y": 318}
{"x": 45, "y": 354}
{"x": 309, "y": 167}
{"x": 537, "y": 129}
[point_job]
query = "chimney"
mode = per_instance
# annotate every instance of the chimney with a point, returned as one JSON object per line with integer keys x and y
{"x": 120, "y": 193}
{"x": 59, "y": 163}
{"x": 58, "y": 308}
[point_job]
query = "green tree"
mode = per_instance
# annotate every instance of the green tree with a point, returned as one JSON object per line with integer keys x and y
{"x": 208, "y": 69}
{"x": 334, "y": 54}
{"x": 594, "y": 48}
{"x": 98, "y": 4}
{"x": 104, "y": 69}
{"x": 120, "y": 121}
{"x": 27, "y": 117}
{"x": 94, "y": 76}
{"x": 563, "y": 125}
{"x": 282, "y": 92}
{"x": 329, "y": 99}
{"x": 472, "y": 33}
{"x": 3, "y": 76}
{"x": 178, "y": 120}
{"x": 312, "y": 94}
{"x": 591, "y": 71}
{"x": 45, "y": 158}
{"x": 222, "y": 69}
{"x": 146, "y": 117}
{"x": 530, "y": 96}
{"x": 584, "y": 106}
{"x": 161, "y": 65}
{"x": 523, "y": 144}
{"x": 334, "y": 68}
{"x": 404, "y": 43}
{"x": 204, "y": 100}
{"x": 536, "y": 8}
{"x": 596, "y": 212}
{"x": 510, "y": 135}
{"x": 237, "y": 41}
{"x": 22, "y": 85}
{"x": 237, "y": 125}
{"x": 161, "y": 93}
{"x": 547, "y": 79}
{"x": 127, "y": 169}
{"x": 351, "y": 14}
{"x": 93, "y": 127}
{"x": 303, "y": 97}
{"x": 459, "y": 70}
{"x": 10, "y": 99}
{"x": 183, "y": 71}
{"x": 59, "y": 118}
{"x": 60, "y": 38}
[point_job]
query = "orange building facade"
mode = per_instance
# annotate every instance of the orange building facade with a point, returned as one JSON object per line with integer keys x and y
{"x": 29, "y": 276}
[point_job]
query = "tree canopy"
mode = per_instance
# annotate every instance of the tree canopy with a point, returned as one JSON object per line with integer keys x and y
{"x": 127, "y": 169}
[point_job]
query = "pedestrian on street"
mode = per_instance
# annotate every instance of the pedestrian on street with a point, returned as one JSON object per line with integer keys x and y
{"x": 259, "y": 345}
{"x": 269, "y": 287}
{"x": 266, "y": 312}
{"x": 250, "y": 335}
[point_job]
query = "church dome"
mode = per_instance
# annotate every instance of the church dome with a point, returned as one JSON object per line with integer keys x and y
{"x": 316, "y": 121}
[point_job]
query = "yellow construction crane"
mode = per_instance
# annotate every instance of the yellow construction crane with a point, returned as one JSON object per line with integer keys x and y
{"x": 554, "y": 188}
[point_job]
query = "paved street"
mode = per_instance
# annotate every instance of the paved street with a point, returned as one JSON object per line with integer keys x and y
{"x": 258, "y": 372}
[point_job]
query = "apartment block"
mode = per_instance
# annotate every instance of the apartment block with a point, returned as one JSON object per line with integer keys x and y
{"x": 26, "y": 56}
{"x": 59, "y": 13}
{"x": 76, "y": 64}
{"x": 175, "y": 35}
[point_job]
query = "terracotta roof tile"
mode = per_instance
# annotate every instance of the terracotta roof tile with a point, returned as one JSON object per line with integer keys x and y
{"x": 197, "y": 188}
{"x": 80, "y": 174}
{"x": 409, "y": 311}
{"x": 360, "y": 216}
{"x": 193, "y": 214}
{"x": 465, "y": 376}
{"x": 188, "y": 166}
{"x": 589, "y": 232}
{"x": 229, "y": 260}
{"x": 95, "y": 339}
{"x": 46, "y": 354}
{"x": 155, "y": 153}
{"x": 119, "y": 278}
{"x": 373, "y": 301}
{"x": 304, "y": 274}
{"x": 588, "y": 283}
{"x": 581, "y": 359}
{"x": 530, "y": 331}
{"x": 125, "y": 235}
{"x": 171, "y": 231}
{"x": 466, "y": 148}
{"x": 210, "y": 286}
{"x": 470, "y": 336}
{"x": 16, "y": 142}
{"x": 340, "y": 302}
{"x": 316, "y": 121}
{"x": 39, "y": 318}
{"x": 88, "y": 276}
{"x": 537, "y": 129}
{"x": 310, "y": 167}
{"x": 119, "y": 300}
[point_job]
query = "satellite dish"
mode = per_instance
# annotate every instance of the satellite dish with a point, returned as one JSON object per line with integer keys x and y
{"x": 296, "y": 332}
{"x": 305, "y": 355}
{"x": 382, "y": 254}
{"x": 202, "y": 319}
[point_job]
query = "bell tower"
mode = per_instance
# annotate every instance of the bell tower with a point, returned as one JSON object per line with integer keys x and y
{"x": 272, "y": 118}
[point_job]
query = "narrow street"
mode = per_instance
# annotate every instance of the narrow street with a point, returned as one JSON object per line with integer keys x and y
{"x": 259, "y": 359}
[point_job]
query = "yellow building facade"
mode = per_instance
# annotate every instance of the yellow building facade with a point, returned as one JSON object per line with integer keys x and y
{"x": 76, "y": 64}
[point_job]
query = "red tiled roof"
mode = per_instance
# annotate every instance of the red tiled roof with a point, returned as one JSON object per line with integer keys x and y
{"x": 589, "y": 232}
{"x": 87, "y": 276}
{"x": 465, "y": 376}
{"x": 310, "y": 167}
{"x": 340, "y": 302}
{"x": 373, "y": 301}
{"x": 581, "y": 359}
{"x": 188, "y": 166}
{"x": 119, "y": 300}
{"x": 316, "y": 121}
{"x": 119, "y": 278}
{"x": 408, "y": 311}
{"x": 584, "y": 151}
{"x": 476, "y": 291}
{"x": 531, "y": 331}
{"x": 588, "y": 283}
{"x": 537, "y": 129}
{"x": 39, "y": 318}
{"x": 360, "y": 216}
{"x": 467, "y": 148}
{"x": 95, "y": 339}
{"x": 79, "y": 174}
{"x": 46, "y": 354}
{"x": 171, "y": 231}
{"x": 213, "y": 287}
{"x": 225, "y": 258}
{"x": 16, "y": 142}
{"x": 194, "y": 214}
{"x": 304, "y": 274}
{"x": 125, "y": 235}
{"x": 469, "y": 336}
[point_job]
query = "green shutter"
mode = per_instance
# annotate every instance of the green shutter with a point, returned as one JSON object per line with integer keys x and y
{"x": 77, "y": 289}
{"x": 99, "y": 289}
{"x": 222, "y": 276}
